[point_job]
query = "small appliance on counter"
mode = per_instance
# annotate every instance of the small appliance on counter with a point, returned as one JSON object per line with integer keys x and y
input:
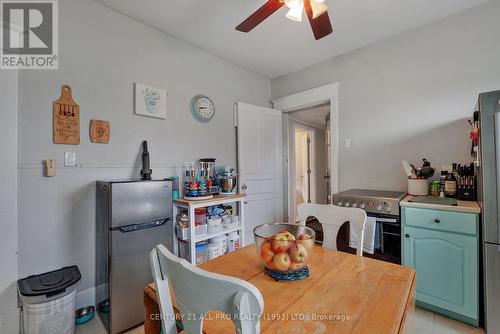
{"x": 227, "y": 180}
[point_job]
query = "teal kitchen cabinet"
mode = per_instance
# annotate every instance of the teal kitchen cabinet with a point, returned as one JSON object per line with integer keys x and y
{"x": 442, "y": 247}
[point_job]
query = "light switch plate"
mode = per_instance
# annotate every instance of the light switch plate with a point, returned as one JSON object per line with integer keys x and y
{"x": 69, "y": 159}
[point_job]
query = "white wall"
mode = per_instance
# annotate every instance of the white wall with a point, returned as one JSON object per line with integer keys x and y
{"x": 102, "y": 54}
{"x": 8, "y": 201}
{"x": 408, "y": 97}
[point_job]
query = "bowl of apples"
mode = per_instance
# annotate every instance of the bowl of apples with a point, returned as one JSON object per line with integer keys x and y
{"x": 284, "y": 248}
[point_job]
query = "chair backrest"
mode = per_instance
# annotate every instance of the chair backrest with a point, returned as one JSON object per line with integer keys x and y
{"x": 198, "y": 291}
{"x": 331, "y": 218}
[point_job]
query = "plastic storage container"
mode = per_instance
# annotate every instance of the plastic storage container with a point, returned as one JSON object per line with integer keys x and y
{"x": 214, "y": 225}
{"x": 201, "y": 250}
{"x": 200, "y": 230}
{"x": 201, "y": 253}
{"x": 233, "y": 242}
{"x": 226, "y": 221}
{"x": 214, "y": 251}
{"x": 221, "y": 242}
{"x": 49, "y": 301}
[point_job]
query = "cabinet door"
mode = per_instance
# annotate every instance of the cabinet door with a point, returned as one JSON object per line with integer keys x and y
{"x": 447, "y": 269}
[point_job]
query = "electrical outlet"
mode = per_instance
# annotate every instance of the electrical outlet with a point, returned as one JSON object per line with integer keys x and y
{"x": 69, "y": 159}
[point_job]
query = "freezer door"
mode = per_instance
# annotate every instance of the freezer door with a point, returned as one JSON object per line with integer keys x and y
{"x": 490, "y": 175}
{"x": 130, "y": 270}
{"x": 135, "y": 202}
{"x": 492, "y": 287}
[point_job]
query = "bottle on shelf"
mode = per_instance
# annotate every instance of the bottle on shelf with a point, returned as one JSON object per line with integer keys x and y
{"x": 455, "y": 170}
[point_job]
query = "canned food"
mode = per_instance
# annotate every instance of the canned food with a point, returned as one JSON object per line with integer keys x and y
{"x": 435, "y": 188}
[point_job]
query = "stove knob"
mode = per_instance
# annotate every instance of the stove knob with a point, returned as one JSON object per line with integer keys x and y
{"x": 388, "y": 209}
{"x": 354, "y": 205}
{"x": 362, "y": 206}
{"x": 379, "y": 207}
{"x": 346, "y": 204}
{"x": 339, "y": 203}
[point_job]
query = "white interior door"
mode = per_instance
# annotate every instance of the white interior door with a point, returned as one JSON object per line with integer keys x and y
{"x": 260, "y": 165}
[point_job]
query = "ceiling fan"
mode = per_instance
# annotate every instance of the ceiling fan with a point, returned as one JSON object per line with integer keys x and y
{"x": 316, "y": 10}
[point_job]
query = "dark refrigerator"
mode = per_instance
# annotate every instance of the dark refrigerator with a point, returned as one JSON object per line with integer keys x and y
{"x": 132, "y": 218}
{"x": 489, "y": 196}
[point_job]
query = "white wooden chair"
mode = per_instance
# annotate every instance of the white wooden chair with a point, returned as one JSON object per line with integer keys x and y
{"x": 198, "y": 291}
{"x": 331, "y": 218}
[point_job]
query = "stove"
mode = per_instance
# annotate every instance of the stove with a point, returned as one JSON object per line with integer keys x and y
{"x": 372, "y": 201}
{"x": 382, "y": 207}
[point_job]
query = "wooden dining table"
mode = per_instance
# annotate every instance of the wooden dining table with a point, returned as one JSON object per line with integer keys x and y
{"x": 344, "y": 293}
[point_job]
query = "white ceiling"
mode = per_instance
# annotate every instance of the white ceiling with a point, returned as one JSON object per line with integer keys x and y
{"x": 279, "y": 46}
{"x": 315, "y": 116}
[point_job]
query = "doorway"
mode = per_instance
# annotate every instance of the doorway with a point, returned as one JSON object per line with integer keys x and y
{"x": 323, "y": 95}
{"x": 304, "y": 165}
{"x": 308, "y": 156}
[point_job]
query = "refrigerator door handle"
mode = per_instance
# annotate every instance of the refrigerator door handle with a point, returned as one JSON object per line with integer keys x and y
{"x": 497, "y": 169}
{"x": 141, "y": 226}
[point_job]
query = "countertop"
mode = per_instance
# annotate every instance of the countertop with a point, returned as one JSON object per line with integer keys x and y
{"x": 462, "y": 206}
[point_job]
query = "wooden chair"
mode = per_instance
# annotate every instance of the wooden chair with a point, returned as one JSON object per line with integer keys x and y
{"x": 331, "y": 218}
{"x": 198, "y": 291}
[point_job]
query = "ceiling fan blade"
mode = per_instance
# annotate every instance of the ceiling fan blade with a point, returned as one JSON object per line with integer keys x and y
{"x": 260, "y": 15}
{"x": 321, "y": 26}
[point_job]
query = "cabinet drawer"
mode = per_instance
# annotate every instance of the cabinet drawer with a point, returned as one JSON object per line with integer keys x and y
{"x": 458, "y": 222}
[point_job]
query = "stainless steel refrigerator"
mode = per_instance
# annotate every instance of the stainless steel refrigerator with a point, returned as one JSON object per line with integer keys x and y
{"x": 489, "y": 196}
{"x": 132, "y": 218}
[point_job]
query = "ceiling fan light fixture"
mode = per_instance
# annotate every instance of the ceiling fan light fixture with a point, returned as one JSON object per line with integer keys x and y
{"x": 318, "y": 8}
{"x": 295, "y": 13}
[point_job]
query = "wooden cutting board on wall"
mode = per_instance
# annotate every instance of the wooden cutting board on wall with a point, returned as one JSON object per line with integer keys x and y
{"x": 99, "y": 131}
{"x": 66, "y": 118}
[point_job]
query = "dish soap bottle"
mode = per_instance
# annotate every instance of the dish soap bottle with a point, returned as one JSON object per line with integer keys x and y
{"x": 450, "y": 185}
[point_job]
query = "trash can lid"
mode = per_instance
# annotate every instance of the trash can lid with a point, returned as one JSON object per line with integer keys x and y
{"x": 49, "y": 284}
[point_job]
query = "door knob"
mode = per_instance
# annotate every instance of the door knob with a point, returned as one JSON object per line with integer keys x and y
{"x": 407, "y": 236}
{"x": 244, "y": 187}
{"x": 437, "y": 221}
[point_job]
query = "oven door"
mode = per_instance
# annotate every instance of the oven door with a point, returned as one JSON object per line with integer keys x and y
{"x": 387, "y": 238}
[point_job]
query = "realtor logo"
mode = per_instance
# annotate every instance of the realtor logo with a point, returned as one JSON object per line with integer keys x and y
{"x": 29, "y": 35}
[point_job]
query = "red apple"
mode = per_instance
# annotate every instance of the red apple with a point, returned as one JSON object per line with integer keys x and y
{"x": 265, "y": 252}
{"x": 298, "y": 253}
{"x": 307, "y": 241}
{"x": 296, "y": 266}
{"x": 281, "y": 241}
{"x": 282, "y": 261}
{"x": 270, "y": 265}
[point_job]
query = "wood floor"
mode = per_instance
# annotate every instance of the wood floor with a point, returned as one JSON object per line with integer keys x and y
{"x": 426, "y": 322}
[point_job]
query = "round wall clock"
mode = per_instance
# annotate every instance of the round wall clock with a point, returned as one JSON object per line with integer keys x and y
{"x": 202, "y": 108}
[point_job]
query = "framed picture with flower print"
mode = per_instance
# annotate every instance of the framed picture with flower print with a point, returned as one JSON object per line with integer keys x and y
{"x": 150, "y": 101}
